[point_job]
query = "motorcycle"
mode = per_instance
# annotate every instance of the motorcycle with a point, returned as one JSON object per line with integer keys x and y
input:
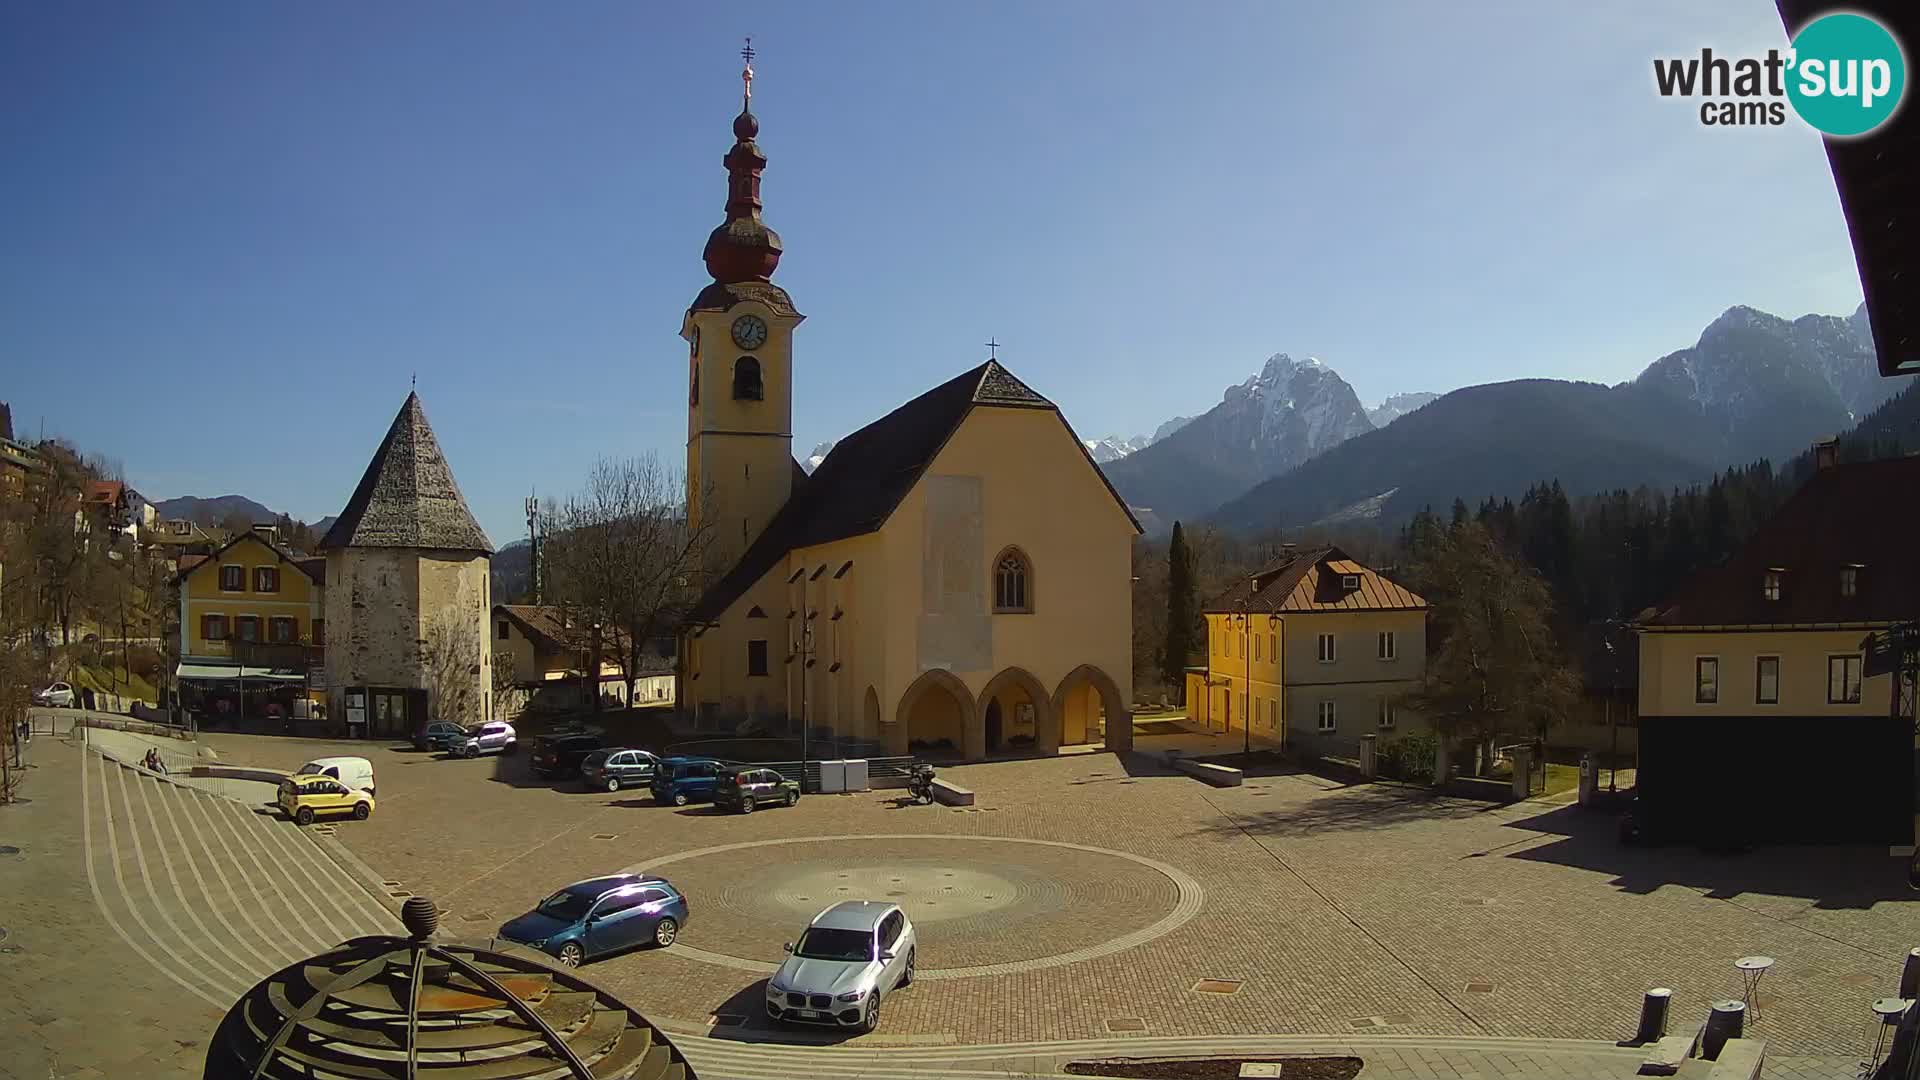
{"x": 920, "y": 784}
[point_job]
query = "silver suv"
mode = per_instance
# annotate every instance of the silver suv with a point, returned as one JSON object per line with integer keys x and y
{"x": 851, "y": 955}
{"x": 494, "y": 736}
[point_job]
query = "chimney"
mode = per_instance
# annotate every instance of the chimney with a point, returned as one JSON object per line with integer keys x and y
{"x": 1826, "y": 454}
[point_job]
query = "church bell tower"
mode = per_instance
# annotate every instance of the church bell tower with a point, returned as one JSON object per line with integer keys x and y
{"x": 739, "y": 335}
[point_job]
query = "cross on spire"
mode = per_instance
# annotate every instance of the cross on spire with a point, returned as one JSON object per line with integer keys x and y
{"x": 746, "y": 73}
{"x": 993, "y": 349}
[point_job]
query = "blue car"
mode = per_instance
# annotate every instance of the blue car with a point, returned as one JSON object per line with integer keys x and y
{"x": 601, "y": 916}
{"x": 681, "y": 780}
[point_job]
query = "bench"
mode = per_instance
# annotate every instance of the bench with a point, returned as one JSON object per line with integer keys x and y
{"x": 1217, "y": 775}
{"x": 948, "y": 793}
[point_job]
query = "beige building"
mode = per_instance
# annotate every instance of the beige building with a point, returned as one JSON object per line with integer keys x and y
{"x": 1316, "y": 650}
{"x": 953, "y": 578}
{"x": 408, "y": 593}
{"x": 544, "y": 656}
{"x": 1759, "y": 698}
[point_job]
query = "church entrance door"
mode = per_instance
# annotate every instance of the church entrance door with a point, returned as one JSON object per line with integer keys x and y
{"x": 993, "y": 726}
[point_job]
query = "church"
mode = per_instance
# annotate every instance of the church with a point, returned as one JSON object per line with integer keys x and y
{"x": 955, "y": 579}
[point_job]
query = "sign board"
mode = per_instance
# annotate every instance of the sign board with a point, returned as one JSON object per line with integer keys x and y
{"x": 1886, "y": 650}
{"x": 356, "y": 716}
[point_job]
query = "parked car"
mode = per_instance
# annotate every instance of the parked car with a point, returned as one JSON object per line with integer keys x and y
{"x": 492, "y": 737}
{"x": 354, "y": 772}
{"x": 851, "y": 956}
{"x": 304, "y": 797}
{"x": 619, "y": 767}
{"x": 747, "y": 789}
{"x": 560, "y": 755}
{"x": 602, "y": 915}
{"x": 681, "y": 780}
{"x": 438, "y": 735}
{"x": 60, "y": 696}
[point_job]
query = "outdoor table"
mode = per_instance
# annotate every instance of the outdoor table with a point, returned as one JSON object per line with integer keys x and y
{"x": 1752, "y": 970}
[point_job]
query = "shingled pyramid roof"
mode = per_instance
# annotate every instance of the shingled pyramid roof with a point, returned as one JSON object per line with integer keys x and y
{"x": 408, "y": 498}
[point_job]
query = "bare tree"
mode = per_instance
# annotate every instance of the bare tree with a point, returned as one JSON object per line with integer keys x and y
{"x": 621, "y": 552}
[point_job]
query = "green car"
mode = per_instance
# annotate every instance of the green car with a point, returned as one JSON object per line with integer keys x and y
{"x": 745, "y": 789}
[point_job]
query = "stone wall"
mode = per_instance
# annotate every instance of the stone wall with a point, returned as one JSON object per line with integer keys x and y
{"x": 407, "y": 618}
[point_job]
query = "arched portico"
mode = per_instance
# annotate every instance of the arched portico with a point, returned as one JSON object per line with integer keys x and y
{"x": 870, "y": 715}
{"x": 938, "y": 706}
{"x": 1085, "y": 689}
{"x": 1006, "y": 692}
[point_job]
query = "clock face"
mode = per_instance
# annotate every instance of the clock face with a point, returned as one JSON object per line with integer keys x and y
{"x": 749, "y": 332}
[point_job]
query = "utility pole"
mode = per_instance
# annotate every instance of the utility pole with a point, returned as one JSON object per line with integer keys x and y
{"x": 533, "y": 547}
{"x": 593, "y": 670}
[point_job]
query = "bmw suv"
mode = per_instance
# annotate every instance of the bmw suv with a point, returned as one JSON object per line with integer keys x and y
{"x": 851, "y": 956}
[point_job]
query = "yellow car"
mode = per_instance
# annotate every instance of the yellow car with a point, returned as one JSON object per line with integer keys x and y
{"x": 306, "y": 795}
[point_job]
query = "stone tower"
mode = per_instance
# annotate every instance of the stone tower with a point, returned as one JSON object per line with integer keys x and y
{"x": 408, "y": 593}
{"x": 739, "y": 333}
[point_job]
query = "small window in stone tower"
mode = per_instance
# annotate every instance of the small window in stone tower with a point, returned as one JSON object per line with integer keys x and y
{"x": 1012, "y": 585}
{"x": 746, "y": 380}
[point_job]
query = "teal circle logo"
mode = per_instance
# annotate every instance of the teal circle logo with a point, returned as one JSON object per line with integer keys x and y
{"x": 1847, "y": 74}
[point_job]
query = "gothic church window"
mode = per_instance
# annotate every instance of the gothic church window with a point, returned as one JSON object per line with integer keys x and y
{"x": 746, "y": 380}
{"x": 1012, "y": 582}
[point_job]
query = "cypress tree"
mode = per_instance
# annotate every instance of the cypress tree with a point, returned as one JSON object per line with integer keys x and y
{"x": 1180, "y": 613}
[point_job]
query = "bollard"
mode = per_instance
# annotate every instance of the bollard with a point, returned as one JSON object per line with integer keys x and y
{"x": 1728, "y": 1020}
{"x": 1910, "y": 975}
{"x": 1653, "y": 1016}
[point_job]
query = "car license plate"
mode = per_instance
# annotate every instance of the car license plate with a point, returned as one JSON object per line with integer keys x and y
{"x": 810, "y": 1014}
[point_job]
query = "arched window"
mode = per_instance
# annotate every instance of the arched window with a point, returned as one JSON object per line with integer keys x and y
{"x": 746, "y": 380}
{"x": 1012, "y": 582}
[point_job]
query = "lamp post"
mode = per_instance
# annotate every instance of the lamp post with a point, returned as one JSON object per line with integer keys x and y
{"x": 1613, "y": 725}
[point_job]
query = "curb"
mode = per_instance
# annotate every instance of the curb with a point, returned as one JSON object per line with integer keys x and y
{"x": 354, "y": 868}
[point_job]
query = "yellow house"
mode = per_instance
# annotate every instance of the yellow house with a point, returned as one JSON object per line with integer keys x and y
{"x": 1316, "y": 651}
{"x": 250, "y": 613}
{"x": 545, "y": 655}
{"x": 1761, "y": 705}
{"x": 953, "y": 577}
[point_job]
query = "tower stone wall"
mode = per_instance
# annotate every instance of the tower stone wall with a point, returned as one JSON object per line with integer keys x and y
{"x": 411, "y": 618}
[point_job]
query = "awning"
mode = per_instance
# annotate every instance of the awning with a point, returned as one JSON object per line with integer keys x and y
{"x": 233, "y": 672}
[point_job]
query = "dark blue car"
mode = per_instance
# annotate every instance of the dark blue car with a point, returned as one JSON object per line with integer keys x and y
{"x": 602, "y": 915}
{"x": 681, "y": 780}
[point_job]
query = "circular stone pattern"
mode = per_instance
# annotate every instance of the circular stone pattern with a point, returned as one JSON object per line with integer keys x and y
{"x": 980, "y": 905}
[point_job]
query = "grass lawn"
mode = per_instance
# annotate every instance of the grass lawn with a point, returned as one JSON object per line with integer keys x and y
{"x": 115, "y": 680}
{"x": 1562, "y": 778}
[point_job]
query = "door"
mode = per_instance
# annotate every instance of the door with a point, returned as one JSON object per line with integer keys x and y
{"x": 653, "y": 905}
{"x": 890, "y": 928}
{"x": 993, "y": 725}
{"x": 614, "y": 923}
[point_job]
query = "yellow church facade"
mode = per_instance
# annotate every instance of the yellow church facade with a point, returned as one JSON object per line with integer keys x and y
{"x": 953, "y": 579}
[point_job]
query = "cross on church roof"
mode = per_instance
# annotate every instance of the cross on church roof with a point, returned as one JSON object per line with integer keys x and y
{"x": 993, "y": 349}
{"x": 746, "y": 73}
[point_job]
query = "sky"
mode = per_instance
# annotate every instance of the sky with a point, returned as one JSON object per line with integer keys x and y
{"x": 235, "y": 232}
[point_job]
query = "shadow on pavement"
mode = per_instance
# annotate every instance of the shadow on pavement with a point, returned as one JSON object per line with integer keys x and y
{"x": 749, "y": 1005}
{"x": 1359, "y": 807}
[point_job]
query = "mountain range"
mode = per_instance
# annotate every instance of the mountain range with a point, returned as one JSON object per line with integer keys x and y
{"x": 1753, "y": 386}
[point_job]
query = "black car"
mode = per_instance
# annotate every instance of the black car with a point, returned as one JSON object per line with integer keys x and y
{"x": 560, "y": 755}
{"x": 746, "y": 789}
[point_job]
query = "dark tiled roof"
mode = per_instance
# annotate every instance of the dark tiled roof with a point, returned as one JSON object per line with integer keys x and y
{"x": 1309, "y": 581}
{"x": 1874, "y": 178}
{"x": 866, "y": 474}
{"x": 547, "y": 627}
{"x": 1861, "y": 514}
{"x": 408, "y": 498}
{"x": 316, "y": 568}
{"x": 721, "y": 296}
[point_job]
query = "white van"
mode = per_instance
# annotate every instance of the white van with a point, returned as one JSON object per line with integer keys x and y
{"x": 355, "y": 772}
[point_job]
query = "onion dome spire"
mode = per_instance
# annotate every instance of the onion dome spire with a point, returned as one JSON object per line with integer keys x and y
{"x": 743, "y": 248}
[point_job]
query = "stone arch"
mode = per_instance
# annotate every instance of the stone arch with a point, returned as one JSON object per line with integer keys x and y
{"x": 1119, "y": 722}
{"x": 870, "y": 715}
{"x": 1036, "y": 691}
{"x": 916, "y": 703}
{"x": 747, "y": 385}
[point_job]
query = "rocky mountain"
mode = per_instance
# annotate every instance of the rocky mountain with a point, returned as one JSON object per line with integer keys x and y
{"x": 1753, "y": 386}
{"x": 1113, "y": 447}
{"x": 213, "y": 510}
{"x": 1287, "y": 413}
{"x": 1396, "y": 407}
{"x": 817, "y": 455}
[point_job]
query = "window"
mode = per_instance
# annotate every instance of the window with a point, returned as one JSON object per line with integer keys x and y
{"x": 1273, "y": 647}
{"x": 282, "y": 630}
{"x": 757, "y": 657}
{"x": 182, "y": 528}
{"x": 1388, "y": 646}
{"x": 1386, "y": 715}
{"x": 746, "y": 380}
{"x": 890, "y": 928}
{"x": 1328, "y": 722}
{"x": 1706, "y": 680}
{"x": 1766, "y": 680}
{"x": 506, "y": 630}
{"x": 1843, "y": 680}
{"x": 233, "y": 579}
{"x": 213, "y": 627}
{"x": 1770, "y": 585}
{"x": 266, "y": 579}
{"x": 1273, "y": 715}
{"x": 319, "y": 631}
{"x": 1256, "y": 646}
{"x": 1349, "y": 582}
{"x": 615, "y": 904}
{"x": 246, "y": 627}
{"x": 1012, "y": 591}
{"x": 1326, "y": 648}
{"x": 1849, "y": 581}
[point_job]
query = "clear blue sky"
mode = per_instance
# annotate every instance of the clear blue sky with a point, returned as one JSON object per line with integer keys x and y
{"x": 234, "y": 230}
